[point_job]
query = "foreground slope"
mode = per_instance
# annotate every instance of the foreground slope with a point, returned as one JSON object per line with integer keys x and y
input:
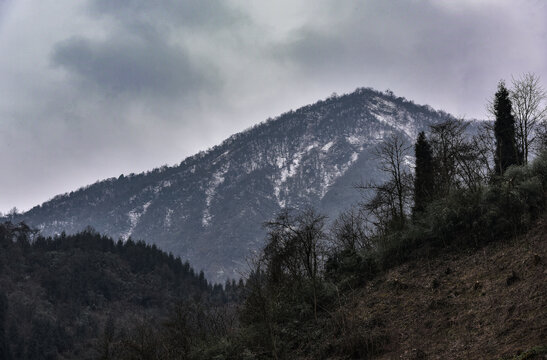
{"x": 209, "y": 209}
{"x": 479, "y": 304}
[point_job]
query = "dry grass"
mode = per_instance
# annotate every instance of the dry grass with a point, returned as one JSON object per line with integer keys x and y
{"x": 485, "y": 304}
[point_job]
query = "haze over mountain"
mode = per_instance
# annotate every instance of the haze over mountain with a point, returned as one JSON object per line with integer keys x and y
{"x": 209, "y": 209}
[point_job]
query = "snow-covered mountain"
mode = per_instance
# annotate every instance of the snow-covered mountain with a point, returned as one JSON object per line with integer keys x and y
{"x": 210, "y": 208}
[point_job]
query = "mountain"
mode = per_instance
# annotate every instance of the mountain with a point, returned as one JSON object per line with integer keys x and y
{"x": 210, "y": 208}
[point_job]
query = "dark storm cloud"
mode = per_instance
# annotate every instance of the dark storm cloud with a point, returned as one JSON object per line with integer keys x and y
{"x": 142, "y": 65}
{"x": 142, "y": 52}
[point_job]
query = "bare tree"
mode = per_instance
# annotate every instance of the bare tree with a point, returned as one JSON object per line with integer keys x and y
{"x": 460, "y": 160}
{"x": 12, "y": 214}
{"x": 392, "y": 199}
{"x": 295, "y": 250}
{"x": 541, "y": 143}
{"x": 350, "y": 231}
{"x": 527, "y": 96}
{"x": 485, "y": 143}
{"x": 446, "y": 141}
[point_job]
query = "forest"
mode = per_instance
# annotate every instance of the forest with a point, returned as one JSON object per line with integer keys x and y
{"x": 66, "y": 297}
{"x": 86, "y": 296}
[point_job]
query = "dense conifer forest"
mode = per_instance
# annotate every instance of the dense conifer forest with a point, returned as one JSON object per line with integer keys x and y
{"x": 76, "y": 296}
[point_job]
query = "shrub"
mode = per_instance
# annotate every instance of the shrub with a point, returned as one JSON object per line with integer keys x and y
{"x": 350, "y": 268}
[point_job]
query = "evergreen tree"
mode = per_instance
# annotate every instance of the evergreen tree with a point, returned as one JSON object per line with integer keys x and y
{"x": 4, "y": 349}
{"x": 504, "y": 131}
{"x": 424, "y": 179}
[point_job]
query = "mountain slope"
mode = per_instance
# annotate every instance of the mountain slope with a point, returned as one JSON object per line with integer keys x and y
{"x": 209, "y": 209}
{"x": 474, "y": 304}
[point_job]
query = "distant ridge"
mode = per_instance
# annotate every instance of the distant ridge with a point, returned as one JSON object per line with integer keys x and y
{"x": 210, "y": 208}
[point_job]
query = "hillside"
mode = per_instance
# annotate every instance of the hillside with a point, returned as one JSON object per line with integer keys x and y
{"x": 210, "y": 208}
{"x": 464, "y": 278}
{"x": 485, "y": 304}
{"x": 57, "y": 296}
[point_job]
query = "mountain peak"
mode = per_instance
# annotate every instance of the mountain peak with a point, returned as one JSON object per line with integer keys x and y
{"x": 209, "y": 209}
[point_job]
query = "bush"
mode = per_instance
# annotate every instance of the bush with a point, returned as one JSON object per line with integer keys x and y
{"x": 464, "y": 217}
{"x": 350, "y": 268}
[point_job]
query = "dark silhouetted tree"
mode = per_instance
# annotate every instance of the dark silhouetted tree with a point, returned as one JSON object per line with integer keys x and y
{"x": 424, "y": 174}
{"x": 504, "y": 131}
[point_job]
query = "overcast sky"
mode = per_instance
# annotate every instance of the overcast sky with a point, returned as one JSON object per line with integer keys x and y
{"x": 95, "y": 88}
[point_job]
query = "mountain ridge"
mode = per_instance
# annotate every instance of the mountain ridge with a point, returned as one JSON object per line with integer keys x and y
{"x": 209, "y": 208}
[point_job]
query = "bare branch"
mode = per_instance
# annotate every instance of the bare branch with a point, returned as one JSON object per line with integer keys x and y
{"x": 527, "y": 97}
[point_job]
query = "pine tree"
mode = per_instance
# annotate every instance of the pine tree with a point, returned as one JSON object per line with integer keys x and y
{"x": 504, "y": 131}
{"x": 424, "y": 179}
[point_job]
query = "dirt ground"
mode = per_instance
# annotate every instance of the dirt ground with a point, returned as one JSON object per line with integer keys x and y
{"x": 479, "y": 304}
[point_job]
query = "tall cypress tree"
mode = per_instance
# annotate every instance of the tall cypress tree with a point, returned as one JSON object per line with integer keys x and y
{"x": 424, "y": 179}
{"x": 504, "y": 131}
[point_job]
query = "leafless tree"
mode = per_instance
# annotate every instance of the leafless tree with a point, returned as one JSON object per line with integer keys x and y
{"x": 296, "y": 248}
{"x": 350, "y": 230}
{"x": 446, "y": 141}
{"x": 541, "y": 144}
{"x": 485, "y": 145}
{"x": 527, "y": 96}
{"x": 460, "y": 160}
{"x": 391, "y": 200}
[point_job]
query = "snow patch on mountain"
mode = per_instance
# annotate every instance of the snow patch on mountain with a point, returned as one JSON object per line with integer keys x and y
{"x": 409, "y": 129}
{"x": 168, "y": 218}
{"x": 329, "y": 177}
{"x": 327, "y": 146}
{"x": 357, "y": 140}
{"x": 406, "y": 127}
{"x": 163, "y": 184}
{"x": 134, "y": 216}
{"x": 382, "y": 103}
{"x": 289, "y": 170}
{"x": 311, "y": 147}
{"x": 216, "y": 180}
{"x": 280, "y": 161}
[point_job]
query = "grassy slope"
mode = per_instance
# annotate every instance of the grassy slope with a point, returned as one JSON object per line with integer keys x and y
{"x": 485, "y": 304}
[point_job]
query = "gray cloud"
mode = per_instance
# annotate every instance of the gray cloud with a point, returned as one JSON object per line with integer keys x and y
{"x": 420, "y": 48}
{"x": 93, "y": 89}
{"x": 203, "y": 13}
{"x": 145, "y": 65}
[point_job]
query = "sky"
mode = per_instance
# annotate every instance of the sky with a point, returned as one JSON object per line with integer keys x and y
{"x": 92, "y": 89}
